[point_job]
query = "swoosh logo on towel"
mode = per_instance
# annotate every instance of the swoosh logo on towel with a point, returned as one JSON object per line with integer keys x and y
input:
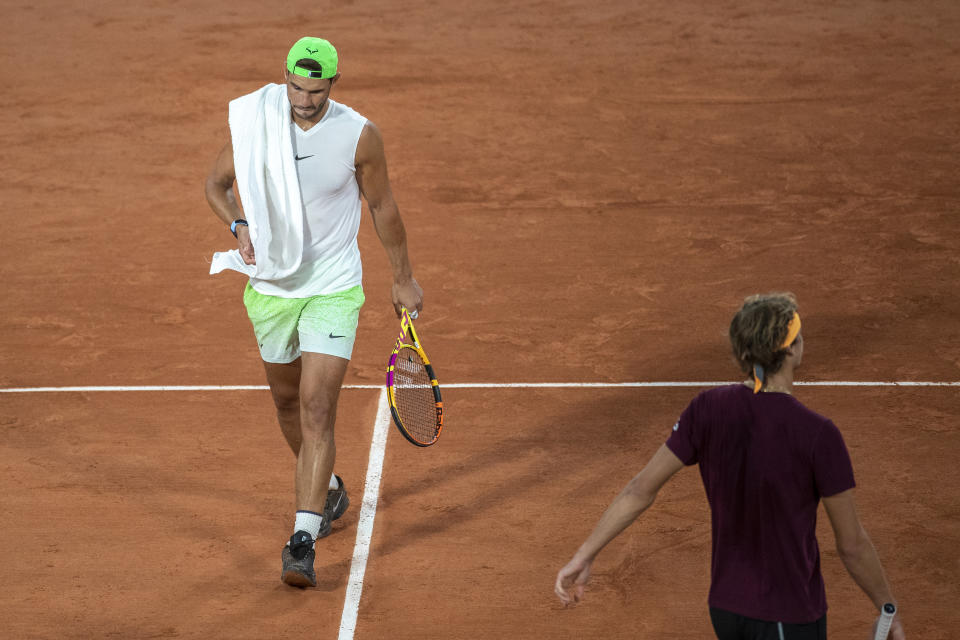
{"x": 302, "y": 157}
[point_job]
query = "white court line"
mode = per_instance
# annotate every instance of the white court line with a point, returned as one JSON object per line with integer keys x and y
{"x": 479, "y": 385}
{"x": 551, "y": 385}
{"x": 371, "y": 491}
{"x": 198, "y": 387}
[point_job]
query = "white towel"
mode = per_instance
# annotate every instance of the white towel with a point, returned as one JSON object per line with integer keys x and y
{"x": 263, "y": 159}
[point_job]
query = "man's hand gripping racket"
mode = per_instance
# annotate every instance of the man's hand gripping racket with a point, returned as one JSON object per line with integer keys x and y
{"x": 888, "y": 624}
{"x": 412, "y": 388}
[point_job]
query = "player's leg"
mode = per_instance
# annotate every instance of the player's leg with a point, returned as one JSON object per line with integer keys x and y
{"x": 284, "y": 381}
{"x": 327, "y": 328}
{"x": 276, "y": 325}
{"x": 320, "y": 380}
{"x": 275, "y": 321}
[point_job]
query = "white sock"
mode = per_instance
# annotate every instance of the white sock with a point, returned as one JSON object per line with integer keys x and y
{"x": 333, "y": 482}
{"x": 308, "y": 521}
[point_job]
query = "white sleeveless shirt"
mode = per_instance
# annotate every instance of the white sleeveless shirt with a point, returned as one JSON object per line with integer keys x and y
{"x": 325, "y": 156}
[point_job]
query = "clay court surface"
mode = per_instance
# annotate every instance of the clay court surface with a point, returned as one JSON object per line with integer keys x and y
{"x": 589, "y": 189}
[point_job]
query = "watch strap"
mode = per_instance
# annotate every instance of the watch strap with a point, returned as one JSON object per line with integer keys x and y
{"x": 233, "y": 226}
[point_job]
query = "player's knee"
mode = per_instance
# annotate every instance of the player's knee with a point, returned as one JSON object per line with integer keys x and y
{"x": 286, "y": 402}
{"x": 317, "y": 414}
{"x": 285, "y": 393}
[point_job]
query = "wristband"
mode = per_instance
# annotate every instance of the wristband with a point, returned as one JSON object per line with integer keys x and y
{"x": 233, "y": 226}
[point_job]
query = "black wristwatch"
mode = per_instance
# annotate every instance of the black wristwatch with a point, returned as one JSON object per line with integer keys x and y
{"x": 233, "y": 226}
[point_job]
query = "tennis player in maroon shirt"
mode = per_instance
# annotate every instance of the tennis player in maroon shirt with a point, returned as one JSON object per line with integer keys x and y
{"x": 766, "y": 462}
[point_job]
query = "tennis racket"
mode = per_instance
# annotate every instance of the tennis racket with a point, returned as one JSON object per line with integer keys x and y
{"x": 412, "y": 388}
{"x": 886, "y": 619}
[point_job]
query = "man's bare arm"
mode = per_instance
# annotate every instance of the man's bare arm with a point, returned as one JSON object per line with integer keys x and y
{"x": 858, "y": 554}
{"x": 219, "y": 192}
{"x": 632, "y": 501}
{"x": 374, "y": 182}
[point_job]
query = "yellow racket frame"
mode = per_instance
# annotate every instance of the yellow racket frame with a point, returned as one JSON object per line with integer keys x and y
{"x": 406, "y": 328}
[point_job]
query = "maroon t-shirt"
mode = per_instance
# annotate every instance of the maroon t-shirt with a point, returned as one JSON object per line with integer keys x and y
{"x": 766, "y": 460}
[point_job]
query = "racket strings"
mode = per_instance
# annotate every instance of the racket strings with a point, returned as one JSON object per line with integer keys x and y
{"x": 413, "y": 391}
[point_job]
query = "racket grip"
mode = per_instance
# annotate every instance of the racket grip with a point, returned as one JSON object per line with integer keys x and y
{"x": 887, "y": 612}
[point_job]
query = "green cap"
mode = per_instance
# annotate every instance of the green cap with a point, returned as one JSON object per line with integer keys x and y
{"x": 316, "y": 49}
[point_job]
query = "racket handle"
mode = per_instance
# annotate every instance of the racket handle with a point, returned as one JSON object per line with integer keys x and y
{"x": 887, "y": 612}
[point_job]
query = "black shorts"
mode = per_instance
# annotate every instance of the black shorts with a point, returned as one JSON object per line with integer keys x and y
{"x": 731, "y": 626}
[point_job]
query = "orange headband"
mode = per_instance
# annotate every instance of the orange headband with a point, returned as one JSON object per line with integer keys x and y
{"x": 793, "y": 330}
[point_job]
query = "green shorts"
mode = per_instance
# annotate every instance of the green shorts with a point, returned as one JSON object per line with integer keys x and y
{"x": 320, "y": 324}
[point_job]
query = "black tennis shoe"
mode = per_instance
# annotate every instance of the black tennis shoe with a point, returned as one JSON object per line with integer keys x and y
{"x": 298, "y": 559}
{"x": 335, "y": 506}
